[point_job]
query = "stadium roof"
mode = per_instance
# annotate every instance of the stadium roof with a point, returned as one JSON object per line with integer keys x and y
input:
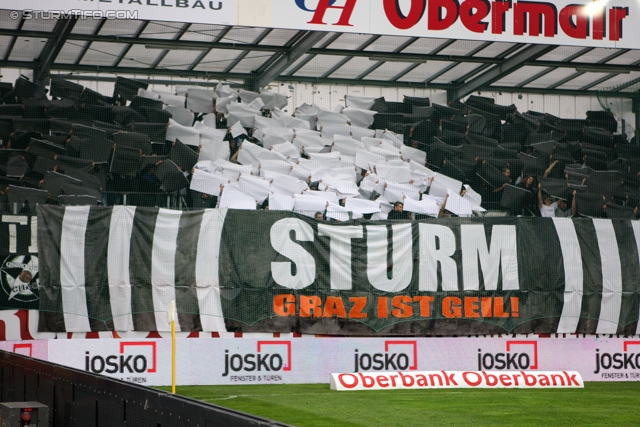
{"x": 255, "y": 57}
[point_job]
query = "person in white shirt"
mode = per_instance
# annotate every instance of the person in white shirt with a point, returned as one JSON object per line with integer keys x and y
{"x": 547, "y": 209}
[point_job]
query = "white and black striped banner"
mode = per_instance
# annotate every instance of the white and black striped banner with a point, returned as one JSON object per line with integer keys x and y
{"x": 118, "y": 269}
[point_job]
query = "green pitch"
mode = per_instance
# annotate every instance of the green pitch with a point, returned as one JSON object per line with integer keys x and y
{"x": 314, "y": 405}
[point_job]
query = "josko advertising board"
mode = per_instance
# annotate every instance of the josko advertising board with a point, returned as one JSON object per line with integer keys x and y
{"x": 199, "y": 361}
{"x": 313, "y": 360}
{"x": 585, "y": 23}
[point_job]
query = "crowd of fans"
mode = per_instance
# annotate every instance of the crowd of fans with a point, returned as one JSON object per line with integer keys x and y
{"x": 368, "y": 158}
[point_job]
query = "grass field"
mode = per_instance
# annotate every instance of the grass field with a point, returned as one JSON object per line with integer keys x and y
{"x": 314, "y": 405}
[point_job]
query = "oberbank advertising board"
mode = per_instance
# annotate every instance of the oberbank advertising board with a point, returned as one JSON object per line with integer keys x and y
{"x": 312, "y": 360}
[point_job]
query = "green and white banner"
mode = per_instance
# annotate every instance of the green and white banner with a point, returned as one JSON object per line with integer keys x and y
{"x": 267, "y": 271}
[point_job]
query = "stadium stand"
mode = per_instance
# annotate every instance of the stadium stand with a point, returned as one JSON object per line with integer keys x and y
{"x": 235, "y": 148}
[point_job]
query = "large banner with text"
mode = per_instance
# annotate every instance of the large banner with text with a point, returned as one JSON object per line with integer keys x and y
{"x": 268, "y": 271}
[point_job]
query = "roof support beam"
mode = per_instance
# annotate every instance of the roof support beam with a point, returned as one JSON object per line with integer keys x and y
{"x": 164, "y": 53}
{"x": 597, "y": 82}
{"x": 449, "y": 67}
{"x": 204, "y": 54}
{"x": 244, "y": 54}
{"x": 300, "y": 48}
{"x": 231, "y": 77}
{"x": 378, "y": 64}
{"x": 414, "y": 66}
{"x": 308, "y": 59}
{"x": 128, "y": 48}
{"x": 603, "y": 79}
{"x": 150, "y": 80}
{"x": 87, "y": 45}
{"x": 273, "y": 58}
{"x": 563, "y": 92}
{"x": 483, "y": 67}
{"x": 52, "y": 49}
{"x": 549, "y": 70}
{"x": 170, "y": 43}
{"x": 344, "y": 61}
{"x": 626, "y": 85}
{"x": 124, "y": 71}
{"x": 505, "y": 67}
{"x": 600, "y": 65}
{"x": 396, "y": 56}
{"x": 239, "y": 78}
{"x": 12, "y": 43}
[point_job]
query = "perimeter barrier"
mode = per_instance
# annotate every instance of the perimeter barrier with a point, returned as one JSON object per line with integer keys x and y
{"x": 81, "y": 399}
